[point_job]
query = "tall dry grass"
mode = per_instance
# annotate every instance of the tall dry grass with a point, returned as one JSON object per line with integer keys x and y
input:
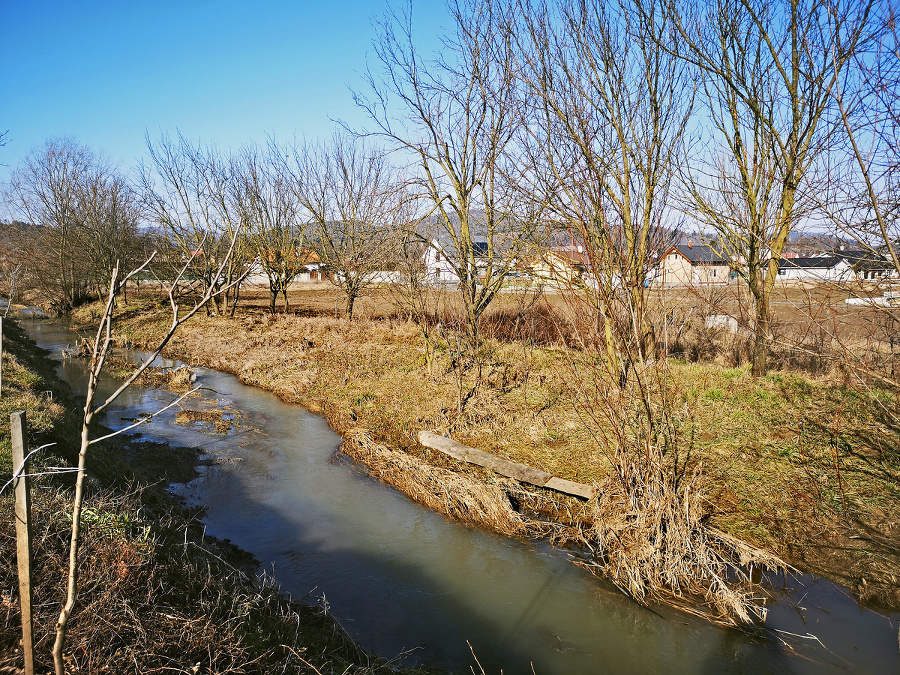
{"x": 650, "y": 532}
{"x": 567, "y": 411}
{"x": 457, "y": 495}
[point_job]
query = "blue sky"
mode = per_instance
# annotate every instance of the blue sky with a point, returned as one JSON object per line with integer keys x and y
{"x": 220, "y": 72}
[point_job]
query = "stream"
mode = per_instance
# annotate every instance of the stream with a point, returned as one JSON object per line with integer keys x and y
{"x": 404, "y": 580}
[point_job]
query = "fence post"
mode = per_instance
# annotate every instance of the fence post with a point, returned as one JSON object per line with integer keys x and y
{"x": 1, "y": 356}
{"x": 23, "y": 531}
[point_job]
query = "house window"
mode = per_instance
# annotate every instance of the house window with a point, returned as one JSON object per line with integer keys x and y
{"x": 713, "y": 273}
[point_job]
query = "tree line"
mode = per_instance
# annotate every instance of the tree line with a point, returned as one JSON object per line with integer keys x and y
{"x": 606, "y": 124}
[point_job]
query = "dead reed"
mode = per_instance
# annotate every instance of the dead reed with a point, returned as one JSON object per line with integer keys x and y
{"x": 651, "y": 540}
{"x": 650, "y": 532}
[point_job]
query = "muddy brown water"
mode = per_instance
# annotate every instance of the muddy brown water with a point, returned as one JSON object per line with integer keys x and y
{"x": 403, "y": 580}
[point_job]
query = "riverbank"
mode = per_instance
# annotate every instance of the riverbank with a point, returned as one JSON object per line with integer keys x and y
{"x": 156, "y": 594}
{"x": 806, "y": 468}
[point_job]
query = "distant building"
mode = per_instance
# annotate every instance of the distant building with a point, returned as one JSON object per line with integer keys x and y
{"x": 693, "y": 264}
{"x": 564, "y": 265}
{"x": 846, "y": 265}
{"x": 866, "y": 265}
{"x": 439, "y": 265}
{"x": 817, "y": 268}
{"x": 311, "y": 269}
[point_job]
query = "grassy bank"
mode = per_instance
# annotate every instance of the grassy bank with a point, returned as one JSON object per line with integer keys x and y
{"x": 805, "y": 467}
{"x": 156, "y": 595}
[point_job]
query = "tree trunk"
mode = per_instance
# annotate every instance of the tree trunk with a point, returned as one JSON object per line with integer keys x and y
{"x": 351, "y": 299}
{"x": 72, "y": 585}
{"x": 471, "y": 328}
{"x": 761, "y": 338}
{"x": 469, "y": 291}
{"x": 237, "y": 296}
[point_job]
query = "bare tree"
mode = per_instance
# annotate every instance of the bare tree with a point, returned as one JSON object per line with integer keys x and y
{"x": 11, "y": 275}
{"x": 863, "y": 201}
{"x": 85, "y": 215}
{"x": 769, "y": 71}
{"x": 265, "y": 200}
{"x": 348, "y": 196}
{"x": 613, "y": 106}
{"x": 414, "y": 292}
{"x": 110, "y": 234}
{"x": 454, "y": 118}
{"x": 187, "y": 192}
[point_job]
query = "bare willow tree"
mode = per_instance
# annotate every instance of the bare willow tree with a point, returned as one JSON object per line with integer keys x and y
{"x": 187, "y": 192}
{"x": 110, "y": 234}
{"x": 264, "y": 198}
{"x": 86, "y": 217}
{"x": 454, "y": 118}
{"x": 414, "y": 291}
{"x": 348, "y": 196}
{"x": 861, "y": 203}
{"x": 613, "y": 107}
{"x": 769, "y": 72}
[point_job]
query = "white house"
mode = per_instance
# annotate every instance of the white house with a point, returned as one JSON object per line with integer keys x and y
{"x": 850, "y": 265}
{"x": 819, "y": 268}
{"x": 439, "y": 270}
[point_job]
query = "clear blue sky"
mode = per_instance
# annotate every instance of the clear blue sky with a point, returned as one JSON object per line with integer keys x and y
{"x": 221, "y": 72}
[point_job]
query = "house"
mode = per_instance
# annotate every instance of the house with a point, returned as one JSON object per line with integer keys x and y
{"x": 311, "y": 270}
{"x": 866, "y": 265}
{"x": 689, "y": 264}
{"x": 842, "y": 265}
{"x": 564, "y": 265}
{"x": 817, "y": 268}
{"x": 312, "y": 267}
{"x": 439, "y": 268}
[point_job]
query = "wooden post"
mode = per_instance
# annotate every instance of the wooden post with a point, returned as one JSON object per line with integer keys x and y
{"x": 1, "y": 356}
{"x": 23, "y": 532}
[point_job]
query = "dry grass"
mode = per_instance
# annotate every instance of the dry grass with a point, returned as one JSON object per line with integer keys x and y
{"x": 795, "y": 464}
{"x": 652, "y": 539}
{"x": 456, "y": 495}
{"x": 219, "y": 420}
{"x": 156, "y": 595}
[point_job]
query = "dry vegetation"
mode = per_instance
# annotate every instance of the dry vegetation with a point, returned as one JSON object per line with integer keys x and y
{"x": 156, "y": 599}
{"x": 802, "y": 463}
{"x": 157, "y": 595}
